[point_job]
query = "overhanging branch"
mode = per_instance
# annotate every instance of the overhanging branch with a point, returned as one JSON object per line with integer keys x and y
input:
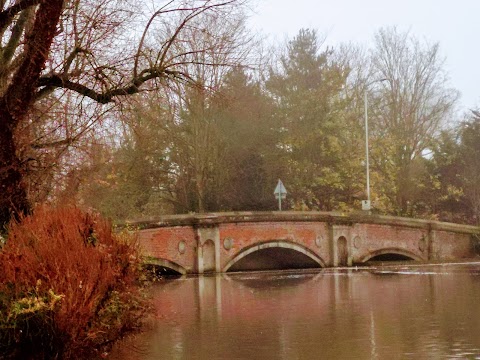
{"x": 58, "y": 81}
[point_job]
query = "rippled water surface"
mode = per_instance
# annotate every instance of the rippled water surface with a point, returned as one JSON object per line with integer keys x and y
{"x": 397, "y": 312}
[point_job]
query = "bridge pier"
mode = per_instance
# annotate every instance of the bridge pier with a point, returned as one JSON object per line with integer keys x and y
{"x": 340, "y": 244}
{"x": 208, "y": 245}
{"x": 430, "y": 244}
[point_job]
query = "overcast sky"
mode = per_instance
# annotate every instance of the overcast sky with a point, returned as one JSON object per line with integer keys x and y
{"x": 455, "y": 24}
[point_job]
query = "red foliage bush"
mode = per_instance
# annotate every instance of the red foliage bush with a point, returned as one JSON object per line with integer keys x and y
{"x": 75, "y": 255}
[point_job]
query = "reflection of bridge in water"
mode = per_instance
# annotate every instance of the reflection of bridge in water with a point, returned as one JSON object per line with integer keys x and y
{"x": 412, "y": 311}
{"x": 224, "y": 242}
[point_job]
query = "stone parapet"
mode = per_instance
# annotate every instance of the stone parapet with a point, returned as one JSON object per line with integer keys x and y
{"x": 299, "y": 216}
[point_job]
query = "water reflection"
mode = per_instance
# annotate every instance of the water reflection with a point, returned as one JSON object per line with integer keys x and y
{"x": 365, "y": 313}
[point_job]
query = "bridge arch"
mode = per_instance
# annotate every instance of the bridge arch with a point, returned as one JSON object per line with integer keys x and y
{"x": 166, "y": 264}
{"x": 393, "y": 251}
{"x": 283, "y": 244}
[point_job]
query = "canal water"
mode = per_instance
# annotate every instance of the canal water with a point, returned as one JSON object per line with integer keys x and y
{"x": 377, "y": 312}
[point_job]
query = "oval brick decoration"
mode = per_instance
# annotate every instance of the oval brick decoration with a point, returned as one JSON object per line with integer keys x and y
{"x": 228, "y": 243}
{"x": 357, "y": 242}
{"x": 181, "y": 247}
{"x": 319, "y": 241}
{"x": 422, "y": 244}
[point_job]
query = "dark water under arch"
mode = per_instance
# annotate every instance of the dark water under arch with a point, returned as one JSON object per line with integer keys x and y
{"x": 274, "y": 258}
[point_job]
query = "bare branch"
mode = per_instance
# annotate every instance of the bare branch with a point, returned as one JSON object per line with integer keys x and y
{"x": 57, "y": 81}
{"x": 8, "y": 14}
{"x": 17, "y": 32}
{"x": 140, "y": 45}
{"x": 194, "y": 11}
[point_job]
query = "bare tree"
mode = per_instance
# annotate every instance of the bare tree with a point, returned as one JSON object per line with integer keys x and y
{"x": 49, "y": 46}
{"x": 190, "y": 120}
{"x": 413, "y": 102}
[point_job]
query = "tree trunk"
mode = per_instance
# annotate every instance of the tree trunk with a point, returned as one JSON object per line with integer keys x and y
{"x": 17, "y": 101}
{"x": 13, "y": 197}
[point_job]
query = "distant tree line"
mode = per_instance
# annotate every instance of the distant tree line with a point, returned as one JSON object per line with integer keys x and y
{"x": 222, "y": 147}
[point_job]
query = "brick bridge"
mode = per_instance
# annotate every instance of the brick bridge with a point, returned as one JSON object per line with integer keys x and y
{"x": 221, "y": 242}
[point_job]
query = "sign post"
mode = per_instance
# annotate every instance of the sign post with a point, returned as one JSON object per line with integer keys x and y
{"x": 280, "y": 193}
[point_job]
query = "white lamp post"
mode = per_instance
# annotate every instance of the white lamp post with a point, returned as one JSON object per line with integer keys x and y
{"x": 366, "y": 204}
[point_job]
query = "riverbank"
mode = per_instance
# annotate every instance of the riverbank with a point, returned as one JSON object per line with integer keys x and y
{"x": 69, "y": 286}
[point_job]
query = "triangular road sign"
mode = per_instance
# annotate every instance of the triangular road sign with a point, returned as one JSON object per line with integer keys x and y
{"x": 280, "y": 189}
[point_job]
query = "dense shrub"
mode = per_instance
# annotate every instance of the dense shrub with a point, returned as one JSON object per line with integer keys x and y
{"x": 67, "y": 284}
